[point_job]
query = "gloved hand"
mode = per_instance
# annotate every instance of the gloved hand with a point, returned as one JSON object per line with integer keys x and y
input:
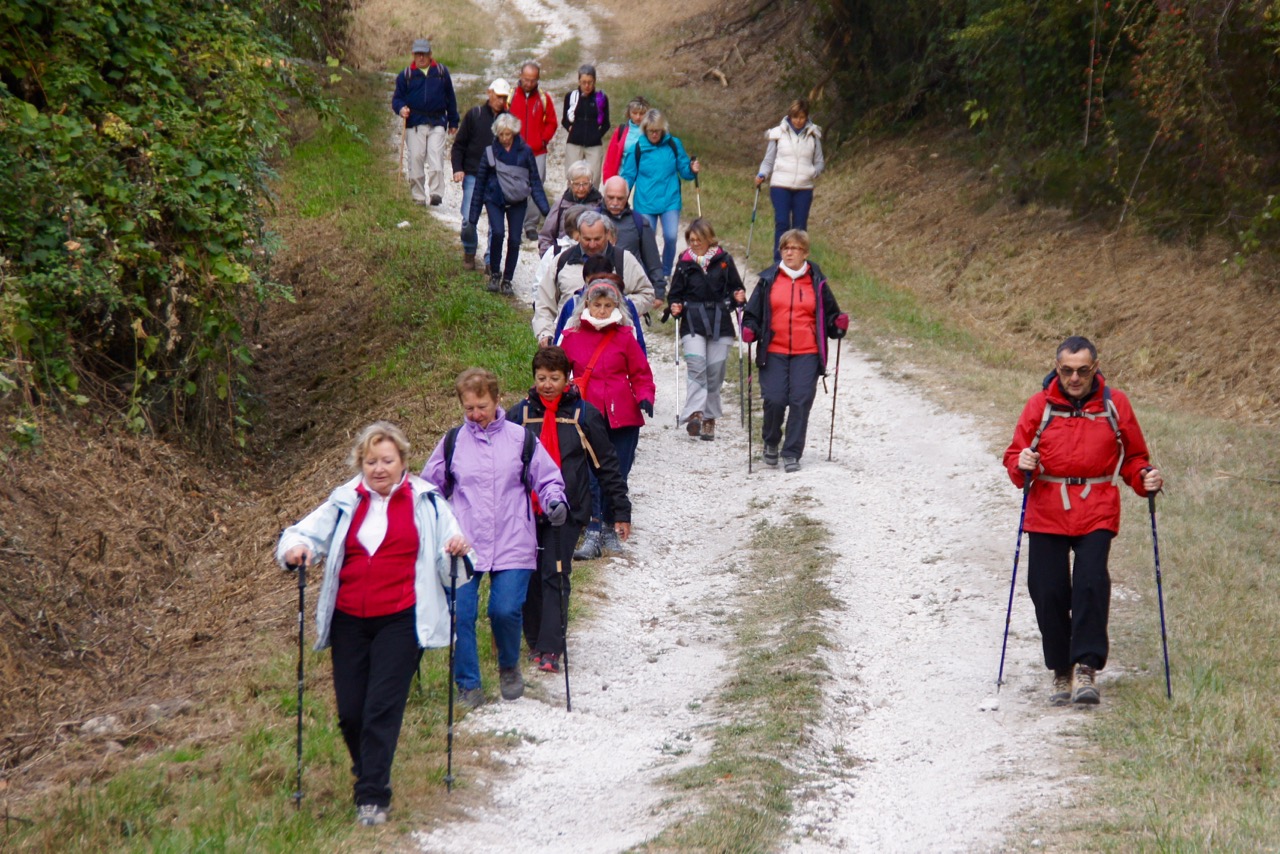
{"x": 557, "y": 513}
{"x": 646, "y": 406}
{"x": 842, "y": 322}
{"x": 748, "y": 335}
{"x": 469, "y": 232}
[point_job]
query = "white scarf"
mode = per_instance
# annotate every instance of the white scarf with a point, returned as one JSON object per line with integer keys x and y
{"x": 794, "y": 274}
{"x": 614, "y": 317}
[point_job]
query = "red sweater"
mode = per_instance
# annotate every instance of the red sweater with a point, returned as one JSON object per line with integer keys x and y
{"x": 381, "y": 584}
{"x": 795, "y": 315}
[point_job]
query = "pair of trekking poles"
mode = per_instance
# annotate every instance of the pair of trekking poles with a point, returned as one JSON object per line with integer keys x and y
{"x": 301, "y": 570}
{"x": 1013, "y": 581}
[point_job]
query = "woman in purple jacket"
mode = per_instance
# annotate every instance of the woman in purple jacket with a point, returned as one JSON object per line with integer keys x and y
{"x": 484, "y": 470}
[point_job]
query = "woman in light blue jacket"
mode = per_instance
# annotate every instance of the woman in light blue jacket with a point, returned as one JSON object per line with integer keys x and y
{"x": 386, "y": 539}
{"x": 653, "y": 170}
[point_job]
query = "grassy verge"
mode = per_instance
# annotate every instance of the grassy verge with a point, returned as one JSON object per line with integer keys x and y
{"x": 775, "y": 693}
{"x": 1198, "y": 773}
{"x": 206, "y": 793}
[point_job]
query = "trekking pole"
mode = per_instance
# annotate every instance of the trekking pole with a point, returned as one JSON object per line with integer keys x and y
{"x": 751, "y": 231}
{"x": 1013, "y": 580}
{"x": 742, "y": 386}
{"x": 835, "y": 390}
{"x": 697, "y": 189}
{"x": 678, "y": 404}
{"x": 404, "y": 166}
{"x": 749, "y": 407}
{"x": 453, "y": 635}
{"x": 564, "y": 613}
{"x": 301, "y": 569}
{"x": 1164, "y": 641}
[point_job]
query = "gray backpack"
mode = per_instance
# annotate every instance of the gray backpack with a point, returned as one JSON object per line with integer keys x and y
{"x": 514, "y": 180}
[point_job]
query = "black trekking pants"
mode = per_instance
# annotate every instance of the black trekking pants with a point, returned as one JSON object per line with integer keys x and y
{"x": 374, "y": 659}
{"x": 788, "y": 385}
{"x": 542, "y": 605}
{"x": 1072, "y": 602}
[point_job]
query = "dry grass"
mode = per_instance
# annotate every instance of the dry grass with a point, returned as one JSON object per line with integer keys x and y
{"x": 383, "y": 31}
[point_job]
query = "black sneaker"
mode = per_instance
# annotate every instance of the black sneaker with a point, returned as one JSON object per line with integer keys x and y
{"x": 506, "y": 288}
{"x": 531, "y": 233}
{"x": 494, "y": 284}
{"x": 771, "y": 455}
{"x": 591, "y": 546}
{"x": 1061, "y": 695}
{"x": 1084, "y": 691}
{"x": 550, "y": 663}
{"x": 436, "y": 200}
{"x": 511, "y": 683}
{"x": 471, "y": 698}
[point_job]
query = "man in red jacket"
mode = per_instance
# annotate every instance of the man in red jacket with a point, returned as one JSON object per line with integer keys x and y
{"x": 1075, "y": 441}
{"x": 537, "y": 114}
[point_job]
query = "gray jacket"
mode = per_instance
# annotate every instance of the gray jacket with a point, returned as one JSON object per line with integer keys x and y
{"x": 637, "y": 237}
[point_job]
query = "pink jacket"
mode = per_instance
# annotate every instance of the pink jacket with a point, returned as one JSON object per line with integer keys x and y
{"x": 491, "y": 504}
{"x": 621, "y": 378}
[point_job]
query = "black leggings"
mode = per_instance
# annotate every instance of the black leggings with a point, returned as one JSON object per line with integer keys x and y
{"x": 1072, "y": 603}
{"x": 542, "y": 604}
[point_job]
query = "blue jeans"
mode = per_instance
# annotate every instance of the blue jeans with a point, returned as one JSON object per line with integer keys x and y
{"x": 625, "y": 440}
{"x": 507, "y": 589}
{"x": 790, "y": 210}
{"x": 468, "y": 190}
{"x": 514, "y": 216}
{"x": 670, "y": 227}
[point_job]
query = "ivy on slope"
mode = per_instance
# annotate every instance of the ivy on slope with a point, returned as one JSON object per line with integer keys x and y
{"x": 135, "y": 138}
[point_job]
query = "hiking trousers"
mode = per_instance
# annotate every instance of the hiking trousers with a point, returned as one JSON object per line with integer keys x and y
{"x": 788, "y": 385}
{"x": 533, "y": 216}
{"x": 1072, "y": 601}
{"x": 542, "y": 604}
{"x": 706, "y": 359}
{"x": 374, "y": 659}
{"x": 593, "y": 154}
{"x": 425, "y": 146}
{"x": 507, "y": 589}
{"x": 505, "y": 222}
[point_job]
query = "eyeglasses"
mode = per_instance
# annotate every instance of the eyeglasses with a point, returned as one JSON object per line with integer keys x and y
{"x": 580, "y": 183}
{"x": 1085, "y": 371}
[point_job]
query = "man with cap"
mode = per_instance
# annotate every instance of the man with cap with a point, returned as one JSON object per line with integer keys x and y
{"x": 424, "y": 99}
{"x": 474, "y": 136}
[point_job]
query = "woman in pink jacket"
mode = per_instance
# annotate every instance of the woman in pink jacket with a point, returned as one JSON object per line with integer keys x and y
{"x": 613, "y": 375}
{"x": 487, "y": 470}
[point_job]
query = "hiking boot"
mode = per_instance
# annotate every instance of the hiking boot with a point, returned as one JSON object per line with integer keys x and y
{"x": 550, "y": 663}
{"x": 771, "y": 455}
{"x": 494, "y": 284}
{"x": 609, "y": 541}
{"x": 511, "y": 683}
{"x": 1061, "y": 695}
{"x": 371, "y": 815}
{"x": 468, "y": 261}
{"x": 1085, "y": 691}
{"x": 790, "y": 464}
{"x": 708, "y": 430}
{"x": 590, "y": 548}
{"x": 507, "y": 288}
{"x": 535, "y": 658}
{"x": 436, "y": 200}
{"x": 531, "y": 233}
{"x": 471, "y": 698}
{"x": 694, "y": 425}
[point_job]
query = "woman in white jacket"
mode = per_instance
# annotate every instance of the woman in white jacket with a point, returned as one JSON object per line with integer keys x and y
{"x": 792, "y": 163}
{"x": 386, "y": 538}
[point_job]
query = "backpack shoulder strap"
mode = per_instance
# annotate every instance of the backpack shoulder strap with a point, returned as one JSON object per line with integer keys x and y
{"x": 450, "y": 441}
{"x": 526, "y": 457}
{"x": 582, "y": 436}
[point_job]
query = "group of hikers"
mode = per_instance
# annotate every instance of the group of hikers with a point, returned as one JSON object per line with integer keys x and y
{"x": 517, "y": 494}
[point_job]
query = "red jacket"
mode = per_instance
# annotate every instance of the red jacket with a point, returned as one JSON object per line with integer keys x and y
{"x": 621, "y": 378}
{"x": 537, "y": 119}
{"x": 613, "y": 154}
{"x": 1077, "y": 447}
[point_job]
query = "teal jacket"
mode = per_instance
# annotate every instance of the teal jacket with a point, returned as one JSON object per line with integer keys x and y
{"x": 654, "y": 172}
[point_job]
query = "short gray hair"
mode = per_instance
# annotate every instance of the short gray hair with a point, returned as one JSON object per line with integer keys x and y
{"x": 506, "y": 121}
{"x": 377, "y": 432}
{"x": 581, "y": 169}
{"x": 597, "y": 218}
{"x": 653, "y": 120}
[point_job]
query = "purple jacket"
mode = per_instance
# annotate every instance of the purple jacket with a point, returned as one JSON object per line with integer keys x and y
{"x": 491, "y": 504}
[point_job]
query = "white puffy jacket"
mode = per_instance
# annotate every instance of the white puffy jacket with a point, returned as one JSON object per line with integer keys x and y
{"x": 793, "y": 159}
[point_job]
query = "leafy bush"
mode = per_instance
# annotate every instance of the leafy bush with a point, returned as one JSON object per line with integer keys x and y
{"x": 134, "y": 145}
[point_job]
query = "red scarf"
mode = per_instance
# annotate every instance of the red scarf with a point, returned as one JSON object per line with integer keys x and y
{"x": 413, "y": 66}
{"x": 549, "y": 437}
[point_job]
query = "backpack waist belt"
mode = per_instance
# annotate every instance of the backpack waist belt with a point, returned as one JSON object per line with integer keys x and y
{"x": 1087, "y": 482}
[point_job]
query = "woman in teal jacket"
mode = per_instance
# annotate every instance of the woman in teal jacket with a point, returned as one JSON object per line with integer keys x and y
{"x": 653, "y": 170}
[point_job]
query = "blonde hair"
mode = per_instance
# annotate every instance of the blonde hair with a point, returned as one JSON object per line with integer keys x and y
{"x": 378, "y": 431}
{"x": 798, "y": 236}
{"x": 477, "y": 381}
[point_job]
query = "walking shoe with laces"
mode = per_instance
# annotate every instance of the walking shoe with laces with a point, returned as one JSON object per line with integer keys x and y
{"x": 535, "y": 657}
{"x": 790, "y": 464}
{"x": 494, "y": 284}
{"x": 590, "y": 548}
{"x": 550, "y": 663}
{"x": 468, "y": 261}
{"x": 371, "y": 815}
{"x": 471, "y": 698}
{"x": 1085, "y": 691}
{"x": 511, "y": 683}
{"x": 609, "y": 541}
{"x": 771, "y": 455}
{"x": 694, "y": 425}
{"x": 507, "y": 288}
{"x": 708, "y": 430}
{"x": 1061, "y": 695}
